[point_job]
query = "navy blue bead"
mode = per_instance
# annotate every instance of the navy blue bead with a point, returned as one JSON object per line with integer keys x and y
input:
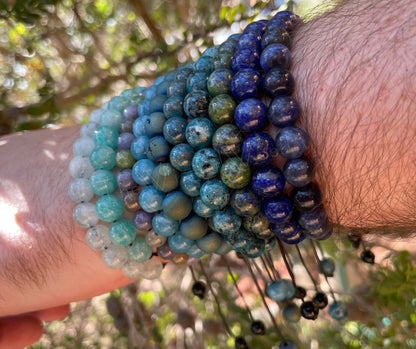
{"x": 154, "y": 125}
{"x": 124, "y": 141}
{"x": 142, "y": 220}
{"x": 190, "y": 183}
{"x": 322, "y": 232}
{"x": 156, "y": 103}
{"x": 258, "y": 149}
{"x": 245, "y": 58}
{"x": 173, "y": 107}
{"x": 257, "y": 28}
{"x": 181, "y": 157}
{"x": 277, "y": 35}
{"x": 196, "y": 104}
{"x": 275, "y": 56}
{"x": 294, "y": 240}
{"x": 306, "y": 198}
{"x": 130, "y": 112}
{"x": 285, "y": 230}
{"x": 197, "y": 81}
{"x": 158, "y": 149}
{"x": 291, "y": 142}
{"x": 311, "y": 220}
{"x": 289, "y": 19}
{"x": 268, "y": 182}
{"x": 277, "y": 210}
{"x": 250, "y": 115}
{"x": 250, "y": 40}
{"x": 246, "y": 83}
{"x": 299, "y": 172}
{"x": 125, "y": 181}
{"x": 278, "y": 82}
{"x": 283, "y": 111}
{"x": 174, "y": 130}
{"x": 177, "y": 88}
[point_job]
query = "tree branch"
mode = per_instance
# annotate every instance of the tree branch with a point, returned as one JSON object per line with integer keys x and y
{"x": 141, "y": 11}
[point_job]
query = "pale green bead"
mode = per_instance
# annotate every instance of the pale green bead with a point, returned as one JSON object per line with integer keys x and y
{"x": 103, "y": 158}
{"x": 85, "y": 215}
{"x": 118, "y": 103}
{"x": 139, "y": 251}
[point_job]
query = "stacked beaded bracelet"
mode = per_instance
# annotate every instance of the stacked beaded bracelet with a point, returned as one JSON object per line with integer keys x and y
{"x": 191, "y": 161}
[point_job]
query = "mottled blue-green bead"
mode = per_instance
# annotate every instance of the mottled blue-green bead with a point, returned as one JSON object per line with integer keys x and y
{"x": 221, "y": 109}
{"x": 142, "y": 171}
{"x": 127, "y": 94}
{"x": 199, "y": 132}
{"x": 163, "y": 225}
{"x": 138, "y": 125}
{"x": 326, "y": 267}
{"x": 180, "y": 243}
{"x": 165, "y": 178}
{"x": 193, "y": 227}
{"x": 254, "y": 249}
{"x": 158, "y": 149}
{"x": 201, "y": 209}
{"x": 103, "y": 158}
{"x": 210, "y": 242}
{"x": 111, "y": 118}
{"x": 338, "y": 311}
{"x": 103, "y": 182}
{"x": 139, "y": 251}
{"x": 211, "y": 51}
{"x": 226, "y": 221}
{"x": 109, "y": 208}
{"x": 206, "y": 163}
{"x": 281, "y": 290}
{"x": 223, "y": 60}
{"x": 215, "y": 194}
{"x": 162, "y": 88}
{"x": 219, "y": 82}
{"x": 245, "y": 202}
{"x": 228, "y": 140}
{"x": 174, "y": 130}
{"x": 269, "y": 244}
{"x": 257, "y": 224}
{"x": 122, "y": 232}
{"x": 223, "y": 249}
{"x": 107, "y": 136}
{"x": 177, "y": 205}
{"x": 195, "y": 252}
{"x": 240, "y": 239}
{"x": 181, "y": 157}
{"x": 235, "y": 173}
{"x": 204, "y": 64}
{"x": 196, "y": 103}
{"x": 196, "y": 81}
{"x": 291, "y": 312}
{"x": 177, "y": 88}
{"x": 154, "y": 124}
{"x": 190, "y": 183}
{"x": 151, "y": 199}
{"x": 118, "y": 103}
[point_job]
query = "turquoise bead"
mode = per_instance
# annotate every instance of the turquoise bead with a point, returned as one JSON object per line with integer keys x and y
{"x": 165, "y": 178}
{"x": 103, "y": 182}
{"x": 109, "y": 208}
{"x": 174, "y": 130}
{"x": 190, "y": 183}
{"x": 281, "y": 290}
{"x": 139, "y": 147}
{"x": 181, "y": 157}
{"x": 338, "y": 311}
{"x": 164, "y": 226}
{"x": 106, "y": 136}
{"x": 139, "y": 251}
{"x": 118, "y": 103}
{"x": 122, "y": 232}
{"x": 254, "y": 249}
{"x": 158, "y": 149}
{"x": 199, "y": 132}
{"x": 206, "y": 163}
{"x": 173, "y": 107}
{"x": 111, "y": 118}
{"x": 226, "y": 222}
{"x": 180, "y": 243}
{"x": 210, "y": 242}
{"x": 103, "y": 158}
{"x": 201, "y": 209}
{"x": 235, "y": 173}
{"x": 142, "y": 171}
{"x": 195, "y": 252}
{"x": 151, "y": 199}
{"x": 193, "y": 227}
{"x": 215, "y": 194}
{"x": 177, "y": 205}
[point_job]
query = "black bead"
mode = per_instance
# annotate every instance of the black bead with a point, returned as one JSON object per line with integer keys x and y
{"x": 240, "y": 343}
{"x": 198, "y": 289}
{"x": 320, "y": 300}
{"x": 257, "y": 327}
{"x": 367, "y": 256}
{"x": 354, "y": 238}
{"x": 300, "y": 292}
{"x": 309, "y": 310}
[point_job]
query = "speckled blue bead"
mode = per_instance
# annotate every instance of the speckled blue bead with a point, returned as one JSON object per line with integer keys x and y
{"x": 163, "y": 225}
{"x": 210, "y": 51}
{"x": 291, "y": 142}
{"x": 151, "y": 199}
{"x": 190, "y": 183}
{"x": 258, "y": 149}
{"x": 142, "y": 220}
{"x": 139, "y": 147}
{"x": 249, "y": 40}
{"x": 313, "y": 219}
{"x": 226, "y": 221}
{"x": 281, "y": 290}
{"x": 142, "y": 171}
{"x": 143, "y": 108}
{"x": 106, "y": 136}
{"x": 199, "y": 132}
{"x": 277, "y": 35}
{"x": 299, "y": 172}
{"x": 306, "y": 198}
{"x": 156, "y": 103}
{"x": 245, "y": 58}
{"x": 154, "y": 124}
{"x": 177, "y": 205}
{"x": 201, "y": 209}
{"x": 177, "y": 88}
{"x": 239, "y": 239}
{"x": 287, "y": 344}
{"x": 138, "y": 125}
{"x": 180, "y": 243}
{"x": 102, "y": 182}
{"x": 109, "y": 208}
{"x": 228, "y": 140}
{"x": 181, "y": 157}
{"x": 196, "y": 104}
{"x": 125, "y": 140}
{"x": 283, "y": 111}
{"x": 139, "y": 251}
{"x": 122, "y": 232}
{"x": 125, "y": 181}
{"x": 255, "y": 249}
{"x": 275, "y": 56}
{"x": 204, "y": 64}
{"x": 246, "y": 83}
{"x": 158, "y": 149}
{"x": 286, "y": 229}
{"x": 268, "y": 182}
{"x": 215, "y": 194}
{"x": 278, "y": 82}
{"x": 223, "y": 60}
{"x": 162, "y": 88}
{"x": 165, "y": 178}
{"x": 210, "y": 242}
{"x": 103, "y": 158}
{"x": 219, "y": 82}
{"x": 277, "y": 210}
{"x": 250, "y": 115}
{"x": 174, "y": 130}
{"x": 338, "y": 311}
{"x": 193, "y": 227}
{"x": 197, "y": 81}
{"x": 206, "y": 163}
{"x": 173, "y": 107}
{"x": 195, "y": 252}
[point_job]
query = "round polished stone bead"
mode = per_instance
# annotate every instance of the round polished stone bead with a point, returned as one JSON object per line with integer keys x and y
{"x": 240, "y": 343}
{"x": 164, "y": 226}
{"x": 278, "y": 82}
{"x": 139, "y": 147}
{"x": 204, "y": 64}
{"x": 291, "y": 312}
{"x": 165, "y": 178}
{"x": 219, "y": 82}
{"x": 122, "y": 232}
{"x": 166, "y": 252}
{"x": 257, "y": 28}
{"x": 257, "y": 224}
{"x": 88, "y": 129}
{"x": 150, "y": 269}
{"x": 228, "y": 140}
{"x": 142, "y": 171}
{"x": 109, "y": 208}
{"x": 103, "y": 158}
{"x": 268, "y": 182}
{"x": 258, "y": 149}
{"x": 235, "y": 173}
{"x": 223, "y": 60}
{"x": 195, "y": 252}
{"x": 277, "y": 210}
{"x": 130, "y": 112}
{"x": 367, "y": 256}
{"x": 295, "y": 239}
{"x": 155, "y": 240}
{"x": 193, "y": 227}
{"x": 245, "y": 58}
{"x": 151, "y": 199}
{"x": 154, "y": 124}
{"x": 190, "y": 183}
{"x": 258, "y": 328}
{"x": 276, "y": 35}
{"x": 183, "y": 73}
{"x": 246, "y": 83}
{"x": 250, "y": 115}
{"x": 221, "y": 109}
{"x": 162, "y": 88}
{"x": 126, "y": 126}
{"x": 283, "y": 111}
{"x": 111, "y": 118}
{"x": 254, "y": 249}
{"x": 125, "y": 181}
{"x": 211, "y": 51}
{"x": 95, "y": 115}
{"x": 118, "y": 103}
{"x": 97, "y": 237}
{"x": 320, "y": 299}
{"x": 299, "y": 172}
{"x": 285, "y": 230}
{"x": 197, "y": 81}
{"x": 177, "y": 205}
{"x": 326, "y": 267}
{"x": 245, "y": 202}
{"x": 309, "y": 310}
{"x": 281, "y": 290}
{"x": 131, "y": 200}
{"x": 198, "y": 289}
{"x": 199, "y": 132}
{"x": 229, "y": 44}
{"x": 313, "y": 219}
{"x": 158, "y": 149}
{"x": 85, "y": 215}
{"x": 174, "y": 130}
{"x": 215, "y": 194}
{"x": 196, "y": 104}
{"x": 201, "y": 209}
{"x": 114, "y": 256}
{"x": 180, "y": 243}
{"x": 139, "y": 251}
{"x": 173, "y": 107}
{"x": 306, "y": 198}
{"x": 210, "y": 242}
{"x": 138, "y": 126}
{"x": 240, "y": 239}
{"x": 124, "y": 159}
{"x": 338, "y": 311}
{"x": 226, "y": 221}
{"x": 286, "y": 18}
{"x": 79, "y": 190}
{"x": 321, "y": 232}
{"x": 124, "y": 140}
{"x": 83, "y": 146}
{"x": 156, "y": 103}
{"x": 291, "y": 142}
{"x": 106, "y": 136}
{"x": 275, "y": 56}
{"x": 287, "y": 344}
{"x": 206, "y": 163}
{"x": 223, "y": 249}
{"x": 181, "y": 157}
{"x": 249, "y": 40}
{"x": 177, "y": 88}
{"x": 142, "y": 220}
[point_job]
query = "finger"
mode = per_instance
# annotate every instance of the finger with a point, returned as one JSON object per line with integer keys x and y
{"x": 19, "y": 331}
{"x": 51, "y": 314}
